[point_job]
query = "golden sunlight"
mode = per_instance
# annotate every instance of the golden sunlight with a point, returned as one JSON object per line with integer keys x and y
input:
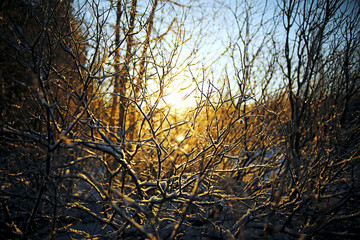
{"x": 179, "y": 97}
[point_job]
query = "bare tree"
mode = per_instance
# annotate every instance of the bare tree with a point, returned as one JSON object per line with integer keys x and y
{"x": 92, "y": 146}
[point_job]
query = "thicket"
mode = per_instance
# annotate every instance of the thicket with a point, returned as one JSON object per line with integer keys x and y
{"x": 88, "y": 149}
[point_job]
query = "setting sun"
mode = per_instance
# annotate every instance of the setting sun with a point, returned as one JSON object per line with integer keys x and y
{"x": 179, "y": 96}
{"x": 180, "y": 100}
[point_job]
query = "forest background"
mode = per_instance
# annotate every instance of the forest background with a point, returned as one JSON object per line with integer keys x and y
{"x": 185, "y": 119}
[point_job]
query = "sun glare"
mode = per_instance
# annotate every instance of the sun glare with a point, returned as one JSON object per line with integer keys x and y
{"x": 179, "y": 98}
{"x": 179, "y": 138}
